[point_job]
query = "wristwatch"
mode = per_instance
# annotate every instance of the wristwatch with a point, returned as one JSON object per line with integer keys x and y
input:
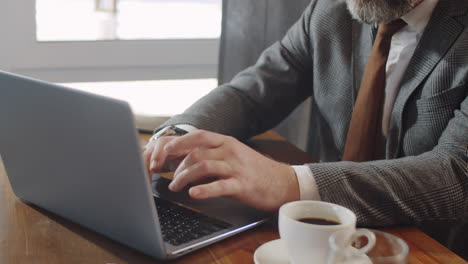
{"x": 169, "y": 131}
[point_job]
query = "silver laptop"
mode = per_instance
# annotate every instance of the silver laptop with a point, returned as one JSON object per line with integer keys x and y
{"x": 77, "y": 155}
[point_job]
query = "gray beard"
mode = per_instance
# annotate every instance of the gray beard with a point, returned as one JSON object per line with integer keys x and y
{"x": 379, "y": 11}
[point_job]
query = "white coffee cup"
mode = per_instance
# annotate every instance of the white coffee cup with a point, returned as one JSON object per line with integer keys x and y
{"x": 308, "y": 243}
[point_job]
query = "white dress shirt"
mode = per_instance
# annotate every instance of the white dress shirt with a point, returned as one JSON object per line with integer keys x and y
{"x": 402, "y": 49}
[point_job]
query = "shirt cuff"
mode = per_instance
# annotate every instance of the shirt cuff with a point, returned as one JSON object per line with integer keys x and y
{"x": 307, "y": 186}
{"x": 186, "y": 127}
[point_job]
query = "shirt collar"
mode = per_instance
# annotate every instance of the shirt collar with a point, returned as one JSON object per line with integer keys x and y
{"x": 418, "y": 18}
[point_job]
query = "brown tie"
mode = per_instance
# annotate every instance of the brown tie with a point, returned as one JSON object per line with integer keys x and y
{"x": 364, "y": 138}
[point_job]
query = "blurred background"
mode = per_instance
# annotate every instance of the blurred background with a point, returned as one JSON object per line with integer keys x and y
{"x": 147, "y": 52}
{"x": 159, "y": 55}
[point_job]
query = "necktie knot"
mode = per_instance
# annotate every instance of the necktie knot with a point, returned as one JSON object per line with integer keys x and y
{"x": 388, "y": 30}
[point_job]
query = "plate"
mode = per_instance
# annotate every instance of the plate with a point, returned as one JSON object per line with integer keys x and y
{"x": 272, "y": 252}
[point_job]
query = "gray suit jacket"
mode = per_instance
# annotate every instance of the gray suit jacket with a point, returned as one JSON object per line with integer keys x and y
{"x": 424, "y": 177}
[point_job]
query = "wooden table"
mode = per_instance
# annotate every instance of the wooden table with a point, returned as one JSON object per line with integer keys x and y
{"x": 32, "y": 235}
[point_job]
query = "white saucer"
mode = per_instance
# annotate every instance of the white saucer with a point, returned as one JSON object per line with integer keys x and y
{"x": 272, "y": 252}
{"x": 275, "y": 252}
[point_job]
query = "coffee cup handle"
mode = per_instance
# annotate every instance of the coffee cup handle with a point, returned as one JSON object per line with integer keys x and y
{"x": 355, "y": 238}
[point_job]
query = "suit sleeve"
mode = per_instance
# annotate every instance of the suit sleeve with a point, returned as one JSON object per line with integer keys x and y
{"x": 423, "y": 189}
{"x": 262, "y": 95}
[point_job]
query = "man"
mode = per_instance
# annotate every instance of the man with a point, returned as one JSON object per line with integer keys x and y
{"x": 389, "y": 82}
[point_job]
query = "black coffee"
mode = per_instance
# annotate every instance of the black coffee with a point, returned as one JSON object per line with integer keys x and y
{"x": 318, "y": 221}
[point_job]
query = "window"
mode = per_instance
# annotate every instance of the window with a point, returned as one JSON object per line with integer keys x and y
{"x": 146, "y": 52}
{"x": 90, "y": 40}
{"x": 88, "y": 20}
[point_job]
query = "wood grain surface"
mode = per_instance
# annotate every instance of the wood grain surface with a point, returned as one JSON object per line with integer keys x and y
{"x": 31, "y": 235}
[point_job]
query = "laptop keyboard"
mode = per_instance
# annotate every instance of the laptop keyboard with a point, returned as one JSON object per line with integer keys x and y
{"x": 180, "y": 225}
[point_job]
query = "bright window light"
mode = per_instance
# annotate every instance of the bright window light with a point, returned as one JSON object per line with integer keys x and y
{"x": 152, "y": 98}
{"x": 79, "y": 20}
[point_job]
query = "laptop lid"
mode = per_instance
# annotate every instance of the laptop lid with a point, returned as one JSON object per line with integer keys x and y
{"x": 75, "y": 154}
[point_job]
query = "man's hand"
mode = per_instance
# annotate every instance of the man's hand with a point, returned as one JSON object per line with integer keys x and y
{"x": 218, "y": 165}
{"x": 156, "y": 159}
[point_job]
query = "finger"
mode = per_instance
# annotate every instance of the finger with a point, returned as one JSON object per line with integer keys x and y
{"x": 202, "y": 170}
{"x": 199, "y": 138}
{"x": 224, "y": 187}
{"x": 148, "y": 150}
{"x": 172, "y": 163}
{"x": 159, "y": 155}
{"x": 197, "y": 155}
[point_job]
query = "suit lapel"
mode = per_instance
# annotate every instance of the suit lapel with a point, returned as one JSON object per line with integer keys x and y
{"x": 439, "y": 35}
